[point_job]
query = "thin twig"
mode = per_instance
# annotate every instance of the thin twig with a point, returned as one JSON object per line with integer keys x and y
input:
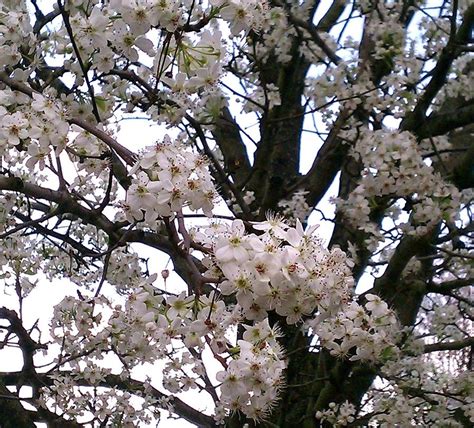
{"x": 67, "y": 24}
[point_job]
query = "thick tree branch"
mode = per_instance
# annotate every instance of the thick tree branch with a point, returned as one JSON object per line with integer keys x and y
{"x": 42, "y": 20}
{"x": 449, "y": 346}
{"x": 65, "y": 203}
{"x": 404, "y": 296}
{"x": 12, "y": 413}
{"x": 448, "y": 286}
{"x": 463, "y": 173}
{"x": 327, "y": 163}
{"x": 276, "y": 165}
{"x": 27, "y": 345}
{"x": 440, "y": 123}
{"x": 68, "y": 205}
{"x": 314, "y": 32}
{"x": 227, "y": 135}
{"x": 332, "y": 15}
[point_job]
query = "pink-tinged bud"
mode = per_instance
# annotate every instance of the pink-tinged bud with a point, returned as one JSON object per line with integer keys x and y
{"x": 165, "y": 273}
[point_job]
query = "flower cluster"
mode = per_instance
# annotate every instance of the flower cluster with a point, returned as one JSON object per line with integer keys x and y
{"x": 89, "y": 151}
{"x": 7, "y": 202}
{"x": 394, "y": 168}
{"x": 410, "y": 392}
{"x": 368, "y": 333}
{"x": 295, "y": 208}
{"x": 419, "y": 392}
{"x": 338, "y": 415}
{"x": 37, "y": 125}
{"x": 285, "y": 269}
{"x": 148, "y": 328}
{"x": 15, "y": 32}
{"x": 170, "y": 179}
{"x": 17, "y": 267}
{"x": 243, "y": 15}
{"x": 251, "y": 381}
{"x": 112, "y": 405}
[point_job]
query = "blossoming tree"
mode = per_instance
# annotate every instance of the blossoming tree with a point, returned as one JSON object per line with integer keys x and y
{"x": 270, "y": 325}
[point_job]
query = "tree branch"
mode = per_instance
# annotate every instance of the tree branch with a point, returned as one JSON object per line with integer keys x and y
{"x": 128, "y": 156}
{"x": 449, "y": 346}
{"x": 447, "y": 286}
{"x": 12, "y": 413}
{"x": 130, "y": 385}
{"x": 440, "y": 72}
{"x": 440, "y": 123}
